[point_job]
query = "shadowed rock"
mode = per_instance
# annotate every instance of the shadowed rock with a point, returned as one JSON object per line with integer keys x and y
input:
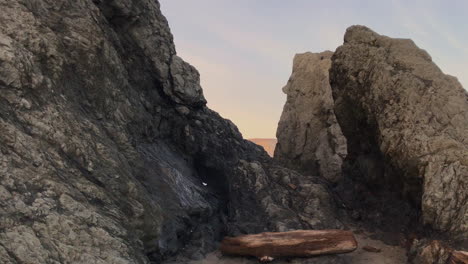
{"x": 108, "y": 153}
{"x": 424, "y": 251}
{"x": 406, "y": 124}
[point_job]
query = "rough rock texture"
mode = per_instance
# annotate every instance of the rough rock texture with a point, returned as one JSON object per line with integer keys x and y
{"x": 309, "y": 137}
{"x": 423, "y": 251}
{"x": 108, "y": 153}
{"x": 426, "y": 251}
{"x": 406, "y": 124}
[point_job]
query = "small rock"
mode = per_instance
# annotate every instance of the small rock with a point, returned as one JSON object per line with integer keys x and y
{"x": 371, "y": 249}
{"x": 25, "y": 103}
{"x": 183, "y": 110}
{"x": 266, "y": 259}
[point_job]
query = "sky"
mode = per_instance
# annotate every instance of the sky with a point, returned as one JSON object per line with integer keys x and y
{"x": 244, "y": 49}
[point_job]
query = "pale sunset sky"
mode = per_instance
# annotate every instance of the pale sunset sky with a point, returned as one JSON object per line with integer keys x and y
{"x": 244, "y": 49}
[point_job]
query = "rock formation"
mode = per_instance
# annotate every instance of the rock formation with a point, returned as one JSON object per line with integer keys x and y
{"x": 108, "y": 153}
{"x": 429, "y": 252}
{"x": 309, "y": 137}
{"x": 424, "y": 251}
{"x": 406, "y": 130}
{"x": 406, "y": 124}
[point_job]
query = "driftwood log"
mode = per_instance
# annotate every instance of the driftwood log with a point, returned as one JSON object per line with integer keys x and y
{"x": 299, "y": 243}
{"x": 459, "y": 257}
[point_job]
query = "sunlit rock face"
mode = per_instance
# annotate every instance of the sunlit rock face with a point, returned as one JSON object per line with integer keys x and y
{"x": 406, "y": 124}
{"x": 108, "y": 153}
{"x": 309, "y": 137}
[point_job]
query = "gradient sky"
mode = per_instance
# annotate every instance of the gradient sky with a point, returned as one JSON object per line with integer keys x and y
{"x": 244, "y": 48}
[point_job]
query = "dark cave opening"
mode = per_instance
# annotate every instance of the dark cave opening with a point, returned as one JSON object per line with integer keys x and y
{"x": 205, "y": 228}
{"x": 214, "y": 179}
{"x": 201, "y": 228}
{"x": 379, "y": 202}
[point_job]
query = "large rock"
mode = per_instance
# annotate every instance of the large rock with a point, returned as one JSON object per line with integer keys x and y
{"x": 309, "y": 137}
{"x": 406, "y": 124}
{"x": 424, "y": 251}
{"x": 108, "y": 153}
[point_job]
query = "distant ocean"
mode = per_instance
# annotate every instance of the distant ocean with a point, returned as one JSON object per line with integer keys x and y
{"x": 268, "y": 144}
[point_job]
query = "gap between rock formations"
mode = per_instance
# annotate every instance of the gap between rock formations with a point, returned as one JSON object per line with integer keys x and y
{"x": 109, "y": 154}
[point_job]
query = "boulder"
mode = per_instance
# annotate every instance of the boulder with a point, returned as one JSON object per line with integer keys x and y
{"x": 309, "y": 137}
{"x": 426, "y": 251}
{"x": 406, "y": 124}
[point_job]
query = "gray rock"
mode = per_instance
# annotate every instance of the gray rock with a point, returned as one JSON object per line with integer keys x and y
{"x": 185, "y": 83}
{"x": 309, "y": 137}
{"x": 106, "y": 143}
{"x": 406, "y": 124}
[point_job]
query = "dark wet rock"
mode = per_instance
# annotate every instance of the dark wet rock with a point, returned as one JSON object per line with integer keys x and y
{"x": 406, "y": 125}
{"x": 309, "y": 137}
{"x": 108, "y": 153}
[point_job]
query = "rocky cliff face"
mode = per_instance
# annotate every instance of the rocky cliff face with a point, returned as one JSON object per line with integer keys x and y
{"x": 406, "y": 124}
{"x": 108, "y": 153}
{"x": 406, "y": 130}
{"x": 309, "y": 137}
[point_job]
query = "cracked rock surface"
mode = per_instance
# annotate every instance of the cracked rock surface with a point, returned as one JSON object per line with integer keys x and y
{"x": 309, "y": 137}
{"x": 406, "y": 123}
{"x": 108, "y": 153}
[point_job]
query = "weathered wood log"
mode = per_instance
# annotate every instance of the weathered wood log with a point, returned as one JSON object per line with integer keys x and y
{"x": 299, "y": 243}
{"x": 459, "y": 257}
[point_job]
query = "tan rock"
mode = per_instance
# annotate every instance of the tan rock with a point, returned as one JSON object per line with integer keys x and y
{"x": 309, "y": 137}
